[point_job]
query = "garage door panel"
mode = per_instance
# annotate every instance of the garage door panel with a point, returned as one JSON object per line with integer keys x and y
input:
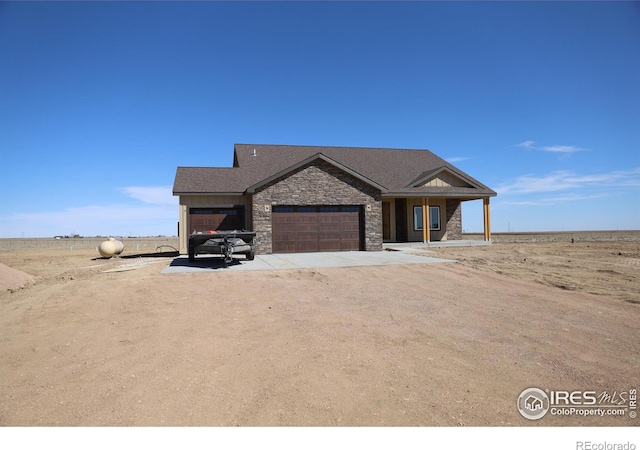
{"x": 286, "y": 225}
{"x": 329, "y": 228}
{"x": 329, "y": 237}
{"x": 307, "y": 227}
{"x": 332, "y": 246}
{"x": 287, "y": 247}
{"x": 348, "y": 246}
{"x": 349, "y": 227}
{"x": 286, "y": 228}
{"x": 285, "y": 220}
{"x": 307, "y": 236}
{"x": 313, "y": 229}
{"x": 306, "y": 246}
{"x": 330, "y": 218}
{"x": 206, "y": 219}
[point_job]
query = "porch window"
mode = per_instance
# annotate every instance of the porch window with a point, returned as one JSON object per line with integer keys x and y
{"x": 434, "y": 215}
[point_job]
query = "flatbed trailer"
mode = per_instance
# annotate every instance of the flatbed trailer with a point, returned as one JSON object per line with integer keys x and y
{"x": 225, "y": 243}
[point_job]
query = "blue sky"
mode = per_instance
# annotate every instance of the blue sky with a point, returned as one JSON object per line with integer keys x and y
{"x": 100, "y": 102}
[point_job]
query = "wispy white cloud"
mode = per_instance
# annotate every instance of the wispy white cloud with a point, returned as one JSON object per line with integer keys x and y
{"x": 94, "y": 220}
{"x": 554, "y": 200}
{"x": 562, "y": 149}
{"x": 527, "y": 145}
{"x": 455, "y": 159}
{"x": 564, "y": 180}
{"x": 153, "y": 195}
{"x": 154, "y": 212}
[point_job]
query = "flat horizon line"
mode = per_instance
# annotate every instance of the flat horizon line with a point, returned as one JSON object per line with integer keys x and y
{"x": 463, "y": 233}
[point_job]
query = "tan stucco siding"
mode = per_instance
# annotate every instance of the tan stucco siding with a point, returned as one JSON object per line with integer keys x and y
{"x": 446, "y": 179}
{"x": 436, "y": 235}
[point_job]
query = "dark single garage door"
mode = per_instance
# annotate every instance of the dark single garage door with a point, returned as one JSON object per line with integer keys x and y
{"x": 208, "y": 219}
{"x": 316, "y": 229}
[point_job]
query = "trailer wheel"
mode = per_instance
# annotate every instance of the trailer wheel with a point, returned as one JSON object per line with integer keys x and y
{"x": 192, "y": 254}
{"x": 251, "y": 255}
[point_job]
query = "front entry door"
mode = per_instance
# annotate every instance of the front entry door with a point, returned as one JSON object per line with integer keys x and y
{"x": 386, "y": 221}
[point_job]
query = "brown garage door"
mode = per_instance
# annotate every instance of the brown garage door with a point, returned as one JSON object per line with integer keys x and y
{"x": 206, "y": 219}
{"x": 316, "y": 228}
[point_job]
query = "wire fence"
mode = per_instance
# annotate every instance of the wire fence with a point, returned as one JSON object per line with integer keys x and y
{"x": 559, "y": 236}
{"x": 147, "y": 244}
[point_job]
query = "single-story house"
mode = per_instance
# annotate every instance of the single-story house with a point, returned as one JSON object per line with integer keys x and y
{"x": 313, "y": 199}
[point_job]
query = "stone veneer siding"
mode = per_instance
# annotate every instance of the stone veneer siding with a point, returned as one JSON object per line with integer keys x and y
{"x": 454, "y": 219}
{"x": 315, "y": 184}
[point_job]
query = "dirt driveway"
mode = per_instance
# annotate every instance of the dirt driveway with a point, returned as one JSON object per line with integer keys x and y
{"x": 445, "y": 344}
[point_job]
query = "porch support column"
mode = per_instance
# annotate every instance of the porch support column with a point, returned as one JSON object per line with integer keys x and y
{"x": 487, "y": 219}
{"x": 426, "y": 220}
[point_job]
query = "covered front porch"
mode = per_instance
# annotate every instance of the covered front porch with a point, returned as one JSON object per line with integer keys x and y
{"x": 404, "y": 219}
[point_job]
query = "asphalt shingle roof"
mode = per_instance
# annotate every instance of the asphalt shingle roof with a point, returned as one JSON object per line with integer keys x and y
{"x": 394, "y": 169}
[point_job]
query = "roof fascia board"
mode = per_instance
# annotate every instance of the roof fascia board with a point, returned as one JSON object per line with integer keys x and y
{"x": 423, "y": 177}
{"x": 470, "y": 195}
{"x": 469, "y": 179}
{"x": 235, "y": 158}
{"x": 253, "y": 188}
{"x": 208, "y": 194}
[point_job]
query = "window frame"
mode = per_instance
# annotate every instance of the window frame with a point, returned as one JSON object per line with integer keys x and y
{"x": 417, "y": 218}
{"x": 431, "y": 216}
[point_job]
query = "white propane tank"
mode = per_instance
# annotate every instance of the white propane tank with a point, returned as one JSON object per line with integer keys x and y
{"x": 110, "y": 248}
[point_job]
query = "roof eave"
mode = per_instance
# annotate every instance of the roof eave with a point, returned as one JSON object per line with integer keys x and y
{"x": 470, "y": 195}
{"x": 208, "y": 194}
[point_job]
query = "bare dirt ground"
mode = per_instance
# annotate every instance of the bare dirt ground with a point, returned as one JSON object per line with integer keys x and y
{"x": 609, "y": 269}
{"x": 98, "y": 342}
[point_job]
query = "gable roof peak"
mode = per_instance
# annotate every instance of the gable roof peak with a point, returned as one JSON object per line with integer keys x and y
{"x": 310, "y": 159}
